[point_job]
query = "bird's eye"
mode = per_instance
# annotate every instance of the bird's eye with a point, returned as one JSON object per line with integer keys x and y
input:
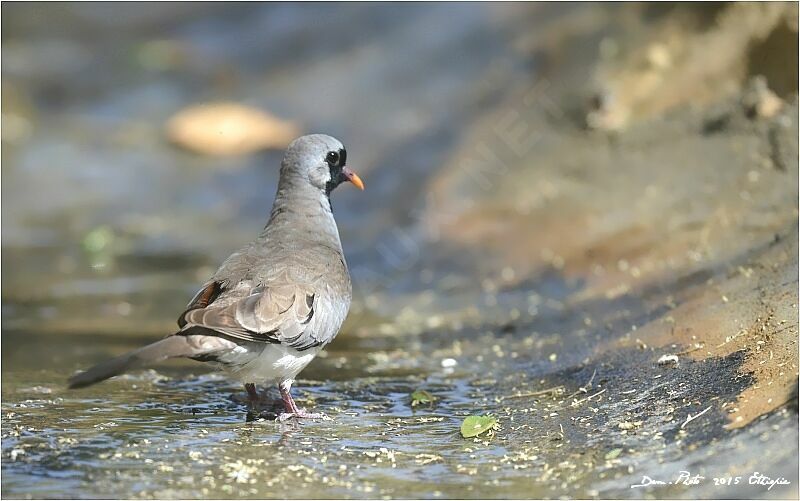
{"x": 332, "y": 158}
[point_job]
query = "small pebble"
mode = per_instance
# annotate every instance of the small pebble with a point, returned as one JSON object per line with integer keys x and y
{"x": 668, "y": 359}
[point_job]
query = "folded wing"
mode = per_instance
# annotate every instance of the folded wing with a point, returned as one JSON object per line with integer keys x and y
{"x": 278, "y": 314}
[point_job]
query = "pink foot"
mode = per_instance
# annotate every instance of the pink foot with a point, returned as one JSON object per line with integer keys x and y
{"x": 292, "y": 411}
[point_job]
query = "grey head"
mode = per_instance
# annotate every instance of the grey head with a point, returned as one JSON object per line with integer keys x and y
{"x": 319, "y": 160}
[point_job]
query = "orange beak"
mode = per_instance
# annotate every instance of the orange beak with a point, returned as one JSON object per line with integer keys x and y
{"x": 353, "y": 178}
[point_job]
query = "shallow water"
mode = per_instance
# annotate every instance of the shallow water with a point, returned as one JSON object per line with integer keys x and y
{"x": 182, "y": 432}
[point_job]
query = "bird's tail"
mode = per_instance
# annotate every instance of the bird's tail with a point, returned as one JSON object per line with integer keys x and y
{"x": 169, "y": 347}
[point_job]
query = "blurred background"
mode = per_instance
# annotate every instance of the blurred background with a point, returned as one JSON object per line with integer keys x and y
{"x": 558, "y": 196}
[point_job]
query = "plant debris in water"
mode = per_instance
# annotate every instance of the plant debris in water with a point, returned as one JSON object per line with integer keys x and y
{"x": 475, "y": 425}
{"x": 419, "y": 397}
{"x": 98, "y": 240}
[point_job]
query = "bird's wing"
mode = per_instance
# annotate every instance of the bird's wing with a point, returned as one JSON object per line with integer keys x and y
{"x": 266, "y": 314}
{"x": 205, "y": 296}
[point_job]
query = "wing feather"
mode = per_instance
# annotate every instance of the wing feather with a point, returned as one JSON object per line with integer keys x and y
{"x": 205, "y": 296}
{"x": 266, "y": 314}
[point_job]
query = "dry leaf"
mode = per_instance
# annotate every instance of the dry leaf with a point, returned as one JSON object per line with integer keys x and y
{"x": 228, "y": 129}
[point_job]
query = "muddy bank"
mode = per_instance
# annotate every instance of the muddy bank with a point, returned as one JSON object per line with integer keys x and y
{"x": 678, "y": 222}
{"x": 691, "y": 212}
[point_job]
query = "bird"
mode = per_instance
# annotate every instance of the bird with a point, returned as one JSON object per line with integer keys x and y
{"x": 274, "y": 304}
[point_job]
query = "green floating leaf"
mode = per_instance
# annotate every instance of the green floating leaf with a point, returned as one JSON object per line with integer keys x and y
{"x": 475, "y": 425}
{"x": 613, "y": 453}
{"x": 421, "y": 397}
{"x": 98, "y": 240}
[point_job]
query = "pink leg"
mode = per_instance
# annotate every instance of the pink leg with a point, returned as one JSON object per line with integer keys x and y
{"x": 291, "y": 409}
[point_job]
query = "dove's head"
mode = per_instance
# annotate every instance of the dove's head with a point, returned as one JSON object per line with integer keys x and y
{"x": 320, "y": 160}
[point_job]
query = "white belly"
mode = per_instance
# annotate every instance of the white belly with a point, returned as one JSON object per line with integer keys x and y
{"x": 273, "y": 364}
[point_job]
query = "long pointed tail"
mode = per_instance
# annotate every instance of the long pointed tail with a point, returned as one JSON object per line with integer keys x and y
{"x": 169, "y": 347}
